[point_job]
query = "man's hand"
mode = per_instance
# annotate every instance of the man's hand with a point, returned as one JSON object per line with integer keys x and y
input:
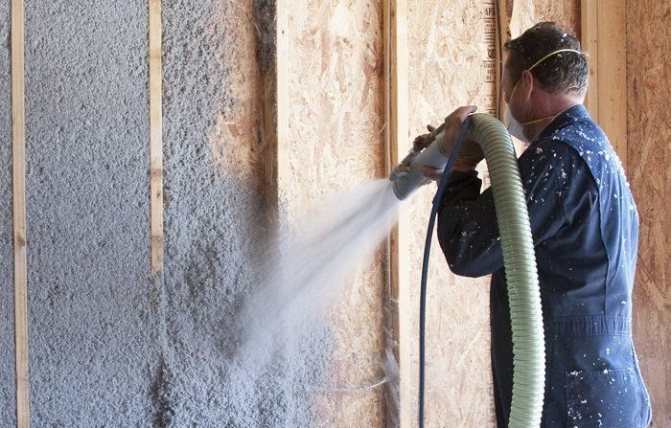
{"x": 470, "y": 153}
{"x": 424, "y": 140}
{"x": 453, "y": 124}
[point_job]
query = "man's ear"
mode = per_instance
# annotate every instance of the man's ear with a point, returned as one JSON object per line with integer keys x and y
{"x": 527, "y": 82}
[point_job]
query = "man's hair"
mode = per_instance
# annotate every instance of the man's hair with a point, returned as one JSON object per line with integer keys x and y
{"x": 565, "y": 72}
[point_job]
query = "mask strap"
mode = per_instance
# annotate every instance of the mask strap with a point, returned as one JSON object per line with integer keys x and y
{"x": 552, "y": 53}
{"x": 550, "y": 118}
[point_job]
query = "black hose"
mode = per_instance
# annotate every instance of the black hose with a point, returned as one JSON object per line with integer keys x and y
{"x": 442, "y": 185}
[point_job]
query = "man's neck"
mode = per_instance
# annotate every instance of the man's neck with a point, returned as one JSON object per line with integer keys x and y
{"x": 546, "y": 108}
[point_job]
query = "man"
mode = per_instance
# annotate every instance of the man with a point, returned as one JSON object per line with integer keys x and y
{"x": 584, "y": 224}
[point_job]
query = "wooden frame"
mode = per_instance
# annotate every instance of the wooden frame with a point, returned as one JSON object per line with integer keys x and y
{"x": 397, "y": 145}
{"x": 503, "y": 34}
{"x": 156, "y": 135}
{"x": 604, "y": 36}
{"x": 281, "y": 92}
{"x": 19, "y": 216}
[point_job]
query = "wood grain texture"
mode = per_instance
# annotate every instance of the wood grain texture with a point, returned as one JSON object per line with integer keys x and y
{"x": 589, "y": 39}
{"x": 564, "y": 12}
{"x": 523, "y": 16}
{"x": 450, "y": 45}
{"x": 397, "y": 145}
{"x": 503, "y": 35}
{"x": 648, "y": 158}
{"x": 273, "y": 111}
{"x": 612, "y": 74}
{"x": 19, "y": 215}
{"x": 604, "y": 32}
{"x": 330, "y": 138}
{"x": 529, "y": 12}
{"x": 156, "y": 134}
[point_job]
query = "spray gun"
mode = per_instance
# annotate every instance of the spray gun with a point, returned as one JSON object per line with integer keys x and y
{"x": 407, "y": 176}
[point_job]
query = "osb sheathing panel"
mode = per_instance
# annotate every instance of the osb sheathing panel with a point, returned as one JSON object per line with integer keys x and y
{"x": 448, "y": 47}
{"x": 648, "y": 159}
{"x": 530, "y": 12}
{"x": 563, "y": 12}
{"x": 334, "y": 142}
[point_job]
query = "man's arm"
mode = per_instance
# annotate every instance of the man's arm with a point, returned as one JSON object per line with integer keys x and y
{"x": 467, "y": 229}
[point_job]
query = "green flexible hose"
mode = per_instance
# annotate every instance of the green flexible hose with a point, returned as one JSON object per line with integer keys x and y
{"x": 519, "y": 260}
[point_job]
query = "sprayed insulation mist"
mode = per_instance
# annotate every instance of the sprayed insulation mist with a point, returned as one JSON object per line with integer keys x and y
{"x": 284, "y": 333}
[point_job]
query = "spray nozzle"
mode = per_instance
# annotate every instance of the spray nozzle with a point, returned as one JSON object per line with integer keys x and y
{"x": 408, "y": 176}
{"x": 403, "y": 168}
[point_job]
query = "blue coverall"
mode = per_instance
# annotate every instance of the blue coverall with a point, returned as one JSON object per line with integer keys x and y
{"x": 584, "y": 224}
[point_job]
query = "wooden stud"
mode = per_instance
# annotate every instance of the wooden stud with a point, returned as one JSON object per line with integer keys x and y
{"x": 612, "y": 91}
{"x": 19, "y": 208}
{"x": 603, "y": 33}
{"x": 269, "y": 138}
{"x": 156, "y": 135}
{"x": 282, "y": 94}
{"x": 589, "y": 42}
{"x": 397, "y": 145}
{"x": 503, "y": 35}
{"x": 274, "y": 117}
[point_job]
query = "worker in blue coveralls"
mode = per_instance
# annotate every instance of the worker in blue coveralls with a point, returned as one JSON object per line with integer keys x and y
{"x": 584, "y": 224}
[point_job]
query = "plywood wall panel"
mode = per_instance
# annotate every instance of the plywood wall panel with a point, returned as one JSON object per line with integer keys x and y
{"x": 334, "y": 141}
{"x": 563, "y": 12}
{"x": 449, "y": 66}
{"x": 649, "y": 156}
{"x": 529, "y": 12}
